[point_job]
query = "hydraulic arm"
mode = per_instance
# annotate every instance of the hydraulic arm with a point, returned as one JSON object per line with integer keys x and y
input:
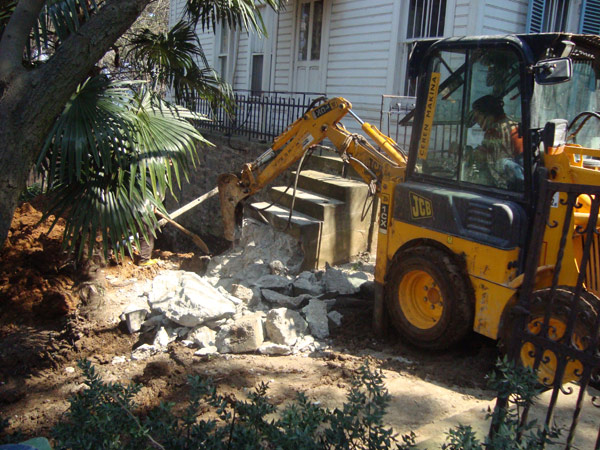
{"x": 373, "y": 164}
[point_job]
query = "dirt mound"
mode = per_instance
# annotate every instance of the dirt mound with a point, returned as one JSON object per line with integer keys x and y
{"x": 36, "y": 276}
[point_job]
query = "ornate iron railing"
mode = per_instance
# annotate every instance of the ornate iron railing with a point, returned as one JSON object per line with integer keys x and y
{"x": 259, "y": 116}
{"x": 557, "y": 328}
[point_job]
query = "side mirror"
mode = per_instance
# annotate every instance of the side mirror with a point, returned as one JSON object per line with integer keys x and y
{"x": 553, "y": 71}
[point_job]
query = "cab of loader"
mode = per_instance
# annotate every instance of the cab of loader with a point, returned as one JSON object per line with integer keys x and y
{"x": 487, "y": 109}
{"x": 493, "y": 115}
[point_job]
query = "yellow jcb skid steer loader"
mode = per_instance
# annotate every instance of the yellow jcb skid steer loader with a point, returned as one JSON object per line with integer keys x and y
{"x": 456, "y": 209}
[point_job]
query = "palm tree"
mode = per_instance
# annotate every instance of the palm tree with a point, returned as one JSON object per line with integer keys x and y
{"x": 117, "y": 146}
{"x": 48, "y": 52}
{"x": 109, "y": 159}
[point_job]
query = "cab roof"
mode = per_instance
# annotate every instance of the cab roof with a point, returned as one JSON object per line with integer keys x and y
{"x": 535, "y": 46}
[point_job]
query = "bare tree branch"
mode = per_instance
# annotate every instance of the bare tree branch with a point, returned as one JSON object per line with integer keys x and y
{"x": 16, "y": 34}
{"x": 78, "y": 54}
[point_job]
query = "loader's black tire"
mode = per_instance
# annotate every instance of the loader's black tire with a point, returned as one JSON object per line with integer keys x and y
{"x": 588, "y": 310}
{"x": 427, "y": 297}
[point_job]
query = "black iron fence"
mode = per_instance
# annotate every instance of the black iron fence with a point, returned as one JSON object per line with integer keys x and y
{"x": 394, "y": 119}
{"x": 259, "y": 116}
{"x": 556, "y": 329}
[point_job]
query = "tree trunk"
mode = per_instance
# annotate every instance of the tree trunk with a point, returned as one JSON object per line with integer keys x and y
{"x": 30, "y": 100}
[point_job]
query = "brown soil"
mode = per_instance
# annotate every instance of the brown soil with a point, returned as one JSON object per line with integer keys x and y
{"x": 54, "y": 312}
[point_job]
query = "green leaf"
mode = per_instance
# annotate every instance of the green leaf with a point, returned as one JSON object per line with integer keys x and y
{"x": 110, "y": 159}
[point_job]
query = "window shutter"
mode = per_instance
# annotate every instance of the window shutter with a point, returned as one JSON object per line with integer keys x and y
{"x": 535, "y": 16}
{"x": 590, "y": 17}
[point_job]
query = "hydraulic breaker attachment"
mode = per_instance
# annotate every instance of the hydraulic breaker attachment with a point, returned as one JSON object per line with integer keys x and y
{"x": 231, "y": 193}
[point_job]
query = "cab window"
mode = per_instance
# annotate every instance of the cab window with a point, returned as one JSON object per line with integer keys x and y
{"x": 470, "y": 131}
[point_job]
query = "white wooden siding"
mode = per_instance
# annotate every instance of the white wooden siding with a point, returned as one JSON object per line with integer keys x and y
{"x": 462, "y": 17}
{"x": 504, "y": 17}
{"x": 241, "y": 68}
{"x": 360, "y": 36}
{"x": 207, "y": 41}
{"x": 283, "y": 49}
{"x": 175, "y": 11}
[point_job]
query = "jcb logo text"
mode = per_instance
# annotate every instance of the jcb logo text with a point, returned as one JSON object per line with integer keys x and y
{"x": 420, "y": 208}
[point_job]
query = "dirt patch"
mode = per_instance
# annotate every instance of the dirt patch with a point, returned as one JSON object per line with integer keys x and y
{"x": 54, "y": 312}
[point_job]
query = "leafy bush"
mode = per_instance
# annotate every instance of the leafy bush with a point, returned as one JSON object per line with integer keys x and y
{"x": 105, "y": 416}
{"x": 519, "y": 385}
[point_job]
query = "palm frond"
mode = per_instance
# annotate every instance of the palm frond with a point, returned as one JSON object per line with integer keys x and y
{"x": 112, "y": 155}
{"x": 6, "y": 10}
{"x": 234, "y": 13}
{"x": 57, "y": 21}
{"x": 176, "y": 59}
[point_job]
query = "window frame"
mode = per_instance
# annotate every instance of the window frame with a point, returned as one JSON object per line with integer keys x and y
{"x": 542, "y": 15}
{"x": 408, "y": 87}
{"x": 309, "y": 32}
{"x": 525, "y": 90}
{"x": 224, "y": 56}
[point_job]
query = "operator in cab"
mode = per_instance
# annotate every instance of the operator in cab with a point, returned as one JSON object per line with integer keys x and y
{"x": 499, "y": 157}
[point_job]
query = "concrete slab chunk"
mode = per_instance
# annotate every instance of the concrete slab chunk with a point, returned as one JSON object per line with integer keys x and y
{"x": 202, "y": 336}
{"x": 275, "y": 298}
{"x": 284, "y": 326}
{"x": 316, "y": 316}
{"x": 244, "y": 335}
{"x": 275, "y": 283}
{"x": 270, "y": 348}
{"x": 335, "y": 317}
{"x": 310, "y": 286}
{"x": 337, "y": 282}
{"x": 188, "y": 299}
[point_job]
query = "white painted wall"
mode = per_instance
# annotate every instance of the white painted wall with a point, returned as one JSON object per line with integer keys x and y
{"x": 175, "y": 11}
{"x": 504, "y": 17}
{"x": 282, "y": 59}
{"x": 361, "y": 36}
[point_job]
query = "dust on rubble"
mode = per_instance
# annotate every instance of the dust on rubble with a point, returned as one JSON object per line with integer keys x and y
{"x": 54, "y": 312}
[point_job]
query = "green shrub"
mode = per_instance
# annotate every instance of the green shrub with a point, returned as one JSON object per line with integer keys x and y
{"x": 105, "y": 416}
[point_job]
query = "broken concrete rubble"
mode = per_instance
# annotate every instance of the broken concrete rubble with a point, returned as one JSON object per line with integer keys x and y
{"x": 269, "y": 348}
{"x": 335, "y": 318}
{"x": 188, "y": 299}
{"x": 271, "y": 312}
{"x": 134, "y": 318}
{"x": 284, "y": 326}
{"x": 275, "y": 298}
{"x": 202, "y": 337}
{"x": 307, "y": 285}
{"x": 277, "y": 283}
{"x": 242, "y": 336}
{"x": 339, "y": 283}
{"x": 316, "y": 316}
{"x": 259, "y": 247}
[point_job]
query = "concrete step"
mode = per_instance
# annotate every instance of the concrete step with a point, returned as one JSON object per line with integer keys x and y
{"x": 280, "y": 215}
{"x": 328, "y": 162}
{"x": 334, "y": 186}
{"x": 307, "y": 202}
{"x": 306, "y": 229}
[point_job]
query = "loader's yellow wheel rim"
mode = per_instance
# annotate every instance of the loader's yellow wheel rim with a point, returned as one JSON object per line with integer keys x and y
{"x": 420, "y": 299}
{"x": 549, "y": 362}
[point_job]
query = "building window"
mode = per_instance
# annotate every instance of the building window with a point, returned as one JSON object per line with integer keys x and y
{"x": 590, "y": 17}
{"x": 426, "y": 19}
{"x": 257, "y": 74}
{"x": 547, "y": 16}
{"x": 224, "y": 43}
{"x": 309, "y": 30}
